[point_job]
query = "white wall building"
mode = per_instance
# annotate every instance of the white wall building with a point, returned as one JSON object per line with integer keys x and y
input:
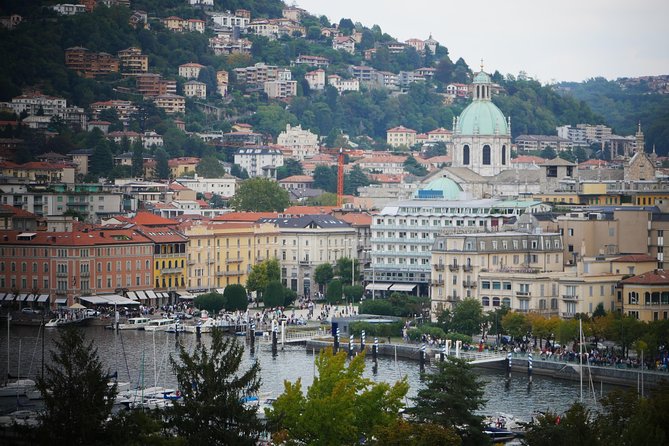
{"x": 225, "y": 187}
{"x": 302, "y": 143}
{"x": 259, "y": 162}
{"x": 195, "y": 89}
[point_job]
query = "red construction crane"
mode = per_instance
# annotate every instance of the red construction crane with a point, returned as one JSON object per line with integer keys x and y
{"x": 340, "y": 178}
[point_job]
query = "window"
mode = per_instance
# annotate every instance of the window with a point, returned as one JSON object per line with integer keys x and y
{"x": 495, "y": 301}
{"x": 506, "y": 301}
{"x": 485, "y": 284}
{"x": 485, "y": 301}
{"x": 506, "y": 285}
{"x": 486, "y": 155}
{"x": 465, "y": 155}
{"x": 496, "y": 285}
{"x": 570, "y": 232}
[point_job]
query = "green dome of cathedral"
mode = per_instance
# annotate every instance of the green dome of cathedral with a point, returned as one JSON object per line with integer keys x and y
{"x": 482, "y": 117}
{"x": 441, "y": 188}
{"x": 482, "y": 78}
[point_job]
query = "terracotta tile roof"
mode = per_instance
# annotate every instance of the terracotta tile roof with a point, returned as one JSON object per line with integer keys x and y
{"x": 357, "y": 219}
{"x": 149, "y": 219}
{"x": 297, "y": 179}
{"x": 656, "y": 277}
{"x": 174, "y": 162}
{"x": 245, "y": 216}
{"x": 98, "y": 236}
{"x": 16, "y": 212}
{"x": 635, "y": 258}
{"x": 162, "y": 235}
{"x": 400, "y": 129}
{"x": 440, "y": 159}
{"x": 387, "y": 178}
{"x": 309, "y": 210}
{"x": 528, "y": 159}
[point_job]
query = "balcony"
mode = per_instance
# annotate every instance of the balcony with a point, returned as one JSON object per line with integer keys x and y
{"x": 210, "y": 261}
{"x": 438, "y": 283}
{"x": 467, "y": 268}
{"x": 570, "y": 297}
{"x": 469, "y": 284}
{"x": 234, "y": 260}
{"x": 170, "y": 270}
{"x": 191, "y": 262}
{"x": 305, "y": 262}
{"x": 61, "y": 274}
{"x": 523, "y": 294}
{"x": 567, "y": 315}
{"x": 453, "y": 268}
{"x": 439, "y": 267}
{"x": 85, "y": 274}
{"x": 228, "y": 273}
{"x": 453, "y": 298}
{"x": 86, "y": 292}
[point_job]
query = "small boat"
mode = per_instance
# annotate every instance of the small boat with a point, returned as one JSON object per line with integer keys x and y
{"x": 206, "y": 326}
{"x": 174, "y": 327}
{"x": 158, "y": 324}
{"x": 17, "y": 388}
{"x": 134, "y": 323}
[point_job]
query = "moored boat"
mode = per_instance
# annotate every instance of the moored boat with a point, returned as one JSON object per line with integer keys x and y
{"x": 158, "y": 324}
{"x": 134, "y": 323}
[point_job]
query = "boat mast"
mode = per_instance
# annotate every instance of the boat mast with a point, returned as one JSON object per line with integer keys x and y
{"x": 580, "y": 351}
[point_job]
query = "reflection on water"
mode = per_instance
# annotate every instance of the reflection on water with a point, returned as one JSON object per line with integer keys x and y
{"x": 140, "y": 356}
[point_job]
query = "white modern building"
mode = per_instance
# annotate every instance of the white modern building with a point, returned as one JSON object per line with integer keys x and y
{"x": 302, "y": 143}
{"x": 259, "y": 161}
{"x": 225, "y": 187}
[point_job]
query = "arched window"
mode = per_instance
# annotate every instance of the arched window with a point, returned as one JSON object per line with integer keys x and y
{"x": 485, "y": 301}
{"x": 478, "y": 92}
{"x": 495, "y": 301}
{"x": 504, "y": 155}
{"x": 506, "y": 301}
{"x": 465, "y": 155}
{"x": 486, "y": 155}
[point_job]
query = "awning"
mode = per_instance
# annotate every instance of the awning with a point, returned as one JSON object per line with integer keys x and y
{"x": 21, "y": 297}
{"x": 151, "y": 294}
{"x": 187, "y": 296}
{"x": 141, "y": 295}
{"x": 61, "y": 301}
{"x": 220, "y": 290}
{"x": 9, "y": 296}
{"x": 163, "y": 295}
{"x": 109, "y": 299}
{"x": 402, "y": 287}
{"x": 131, "y": 295}
{"x": 31, "y": 298}
{"x": 43, "y": 298}
{"x": 378, "y": 286}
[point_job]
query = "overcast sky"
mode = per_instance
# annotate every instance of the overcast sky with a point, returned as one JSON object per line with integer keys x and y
{"x": 568, "y": 40}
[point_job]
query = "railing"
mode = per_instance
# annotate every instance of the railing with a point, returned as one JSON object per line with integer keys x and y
{"x": 567, "y": 315}
{"x": 234, "y": 260}
{"x": 452, "y": 298}
{"x": 170, "y": 270}
{"x": 469, "y": 284}
{"x": 467, "y": 268}
{"x": 523, "y": 294}
{"x": 228, "y": 273}
{"x": 438, "y": 282}
{"x": 60, "y": 274}
{"x": 453, "y": 268}
{"x": 305, "y": 262}
{"x": 439, "y": 267}
{"x": 85, "y": 274}
{"x": 570, "y": 296}
{"x": 191, "y": 262}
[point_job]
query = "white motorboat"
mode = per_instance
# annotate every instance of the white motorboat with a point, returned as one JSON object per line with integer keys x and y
{"x": 134, "y": 323}
{"x": 17, "y": 388}
{"x": 158, "y": 324}
{"x": 206, "y": 326}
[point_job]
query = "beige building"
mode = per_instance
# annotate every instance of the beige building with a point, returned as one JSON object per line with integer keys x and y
{"x": 280, "y": 89}
{"x": 195, "y": 89}
{"x": 646, "y": 296}
{"x": 495, "y": 268}
{"x": 171, "y": 103}
{"x": 133, "y": 61}
{"x": 302, "y": 143}
{"x": 308, "y": 241}
{"x": 190, "y": 70}
{"x": 316, "y": 79}
{"x": 401, "y": 136}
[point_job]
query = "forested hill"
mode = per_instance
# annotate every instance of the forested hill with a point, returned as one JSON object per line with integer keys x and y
{"x": 33, "y": 57}
{"x": 624, "y": 107}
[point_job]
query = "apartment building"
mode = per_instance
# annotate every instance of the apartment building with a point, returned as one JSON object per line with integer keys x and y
{"x": 124, "y": 109}
{"x": 313, "y": 61}
{"x": 401, "y": 137}
{"x": 302, "y": 143}
{"x": 64, "y": 267}
{"x": 280, "y": 89}
{"x": 90, "y": 64}
{"x": 526, "y": 143}
{"x": 171, "y": 103}
{"x": 225, "y": 187}
{"x": 190, "y": 70}
{"x": 259, "y": 161}
{"x": 152, "y": 84}
{"x": 308, "y": 241}
{"x": 315, "y": 79}
{"x": 342, "y": 85}
{"x": 404, "y": 232}
{"x": 646, "y": 296}
{"x": 195, "y": 89}
{"x": 133, "y": 62}
{"x": 229, "y": 20}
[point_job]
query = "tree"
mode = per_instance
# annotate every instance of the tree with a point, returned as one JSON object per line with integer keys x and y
{"x": 101, "y": 159}
{"x": 260, "y": 195}
{"x": 343, "y": 269}
{"x": 334, "y": 291}
{"x": 263, "y": 273}
{"x": 411, "y": 165}
{"x": 467, "y": 317}
{"x": 451, "y": 397}
{"x": 405, "y": 433}
{"x": 274, "y": 295}
{"x": 210, "y": 167}
{"x": 77, "y": 397}
{"x": 574, "y": 427}
{"x": 162, "y": 166}
{"x": 238, "y": 172}
{"x": 290, "y": 167}
{"x": 339, "y": 408}
{"x": 516, "y": 324}
{"x": 235, "y": 297}
{"x": 323, "y": 274}
{"x": 212, "y": 302}
{"x": 211, "y": 410}
{"x": 354, "y": 180}
{"x": 548, "y": 153}
{"x": 353, "y": 293}
{"x": 325, "y": 177}
{"x": 137, "y": 168}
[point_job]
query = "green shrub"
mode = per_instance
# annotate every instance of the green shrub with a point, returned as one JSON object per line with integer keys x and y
{"x": 235, "y": 297}
{"x": 212, "y": 302}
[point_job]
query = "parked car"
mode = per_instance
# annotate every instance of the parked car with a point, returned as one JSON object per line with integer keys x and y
{"x": 28, "y": 310}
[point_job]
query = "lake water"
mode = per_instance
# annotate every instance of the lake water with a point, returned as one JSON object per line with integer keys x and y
{"x": 129, "y": 352}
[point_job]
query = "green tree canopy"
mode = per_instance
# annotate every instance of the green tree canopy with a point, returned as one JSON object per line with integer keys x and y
{"x": 77, "y": 397}
{"x": 334, "y": 291}
{"x": 211, "y": 410}
{"x": 450, "y": 398}
{"x": 263, "y": 273}
{"x": 260, "y": 195}
{"x": 412, "y": 167}
{"x": 343, "y": 269}
{"x": 290, "y": 167}
{"x": 162, "y": 166}
{"x": 323, "y": 274}
{"x": 516, "y": 324}
{"x": 137, "y": 168}
{"x": 274, "y": 295}
{"x": 467, "y": 317}
{"x": 235, "y": 297}
{"x": 210, "y": 167}
{"x": 339, "y": 408}
{"x": 212, "y": 302}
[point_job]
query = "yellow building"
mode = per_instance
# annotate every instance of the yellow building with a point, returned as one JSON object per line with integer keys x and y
{"x": 646, "y": 296}
{"x": 169, "y": 258}
{"x": 201, "y": 256}
{"x": 234, "y": 252}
